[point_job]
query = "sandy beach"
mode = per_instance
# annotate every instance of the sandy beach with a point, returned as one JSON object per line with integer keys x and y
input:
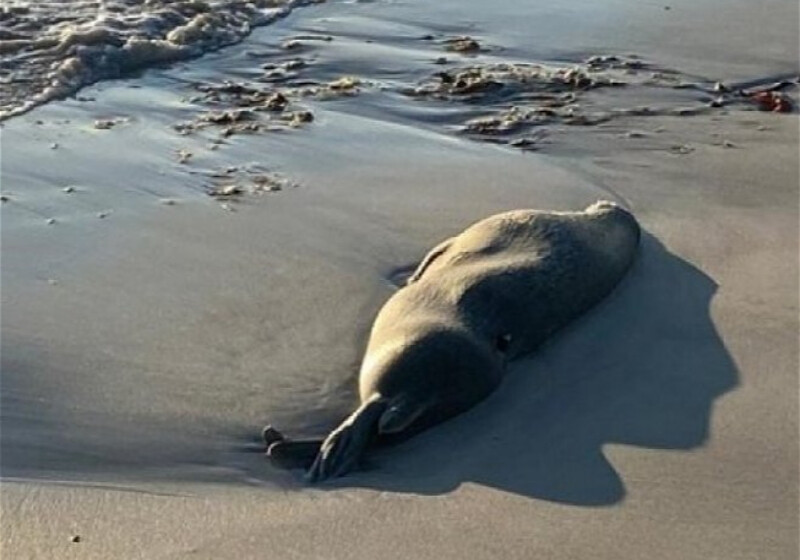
{"x": 179, "y": 269}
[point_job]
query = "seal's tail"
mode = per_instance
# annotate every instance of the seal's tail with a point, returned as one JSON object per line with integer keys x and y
{"x": 342, "y": 449}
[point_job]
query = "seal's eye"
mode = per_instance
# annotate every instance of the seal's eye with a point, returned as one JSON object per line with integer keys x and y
{"x": 502, "y": 342}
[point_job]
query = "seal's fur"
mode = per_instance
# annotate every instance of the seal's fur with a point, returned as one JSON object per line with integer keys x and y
{"x": 490, "y": 294}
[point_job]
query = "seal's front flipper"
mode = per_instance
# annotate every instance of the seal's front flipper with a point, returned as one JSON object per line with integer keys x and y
{"x": 434, "y": 254}
{"x": 294, "y": 454}
{"x": 342, "y": 449}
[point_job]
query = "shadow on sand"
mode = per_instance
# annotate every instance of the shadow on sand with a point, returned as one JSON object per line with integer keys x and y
{"x": 642, "y": 369}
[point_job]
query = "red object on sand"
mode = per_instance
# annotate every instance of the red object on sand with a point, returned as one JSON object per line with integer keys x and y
{"x": 771, "y": 101}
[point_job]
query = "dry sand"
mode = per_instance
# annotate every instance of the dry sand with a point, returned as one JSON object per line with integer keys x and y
{"x": 149, "y": 330}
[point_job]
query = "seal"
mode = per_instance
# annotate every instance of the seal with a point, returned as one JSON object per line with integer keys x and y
{"x": 489, "y": 295}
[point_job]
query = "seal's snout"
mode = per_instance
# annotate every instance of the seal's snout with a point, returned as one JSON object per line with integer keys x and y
{"x": 604, "y": 206}
{"x": 601, "y": 205}
{"x": 605, "y": 210}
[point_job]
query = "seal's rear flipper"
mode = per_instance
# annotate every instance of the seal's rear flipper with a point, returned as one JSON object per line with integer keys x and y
{"x": 400, "y": 415}
{"x": 299, "y": 454}
{"x": 342, "y": 449}
{"x": 270, "y": 435}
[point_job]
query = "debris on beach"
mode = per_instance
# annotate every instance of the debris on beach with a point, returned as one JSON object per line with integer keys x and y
{"x": 184, "y": 156}
{"x": 772, "y": 101}
{"x": 771, "y": 97}
{"x": 227, "y": 117}
{"x": 104, "y": 124}
{"x": 225, "y": 191}
{"x": 75, "y": 539}
{"x": 291, "y": 45}
{"x": 276, "y": 102}
{"x": 512, "y": 99}
{"x": 232, "y": 121}
{"x": 283, "y": 71}
{"x": 463, "y": 44}
{"x": 607, "y": 62}
{"x": 249, "y": 107}
{"x": 525, "y": 143}
{"x": 503, "y": 122}
{"x": 681, "y": 149}
{"x": 345, "y": 83}
{"x": 107, "y": 124}
{"x": 233, "y": 183}
{"x": 296, "y": 119}
{"x": 311, "y": 37}
{"x": 502, "y": 81}
{"x": 522, "y": 96}
{"x": 270, "y": 183}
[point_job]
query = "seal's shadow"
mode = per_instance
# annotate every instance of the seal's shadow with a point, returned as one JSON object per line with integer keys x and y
{"x": 643, "y": 369}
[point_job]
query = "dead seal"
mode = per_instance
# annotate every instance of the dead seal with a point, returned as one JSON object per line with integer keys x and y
{"x": 491, "y": 294}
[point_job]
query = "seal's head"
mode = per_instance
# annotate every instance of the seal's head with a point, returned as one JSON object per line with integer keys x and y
{"x": 612, "y": 231}
{"x": 612, "y": 214}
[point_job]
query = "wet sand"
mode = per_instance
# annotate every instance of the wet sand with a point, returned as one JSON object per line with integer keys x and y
{"x": 149, "y": 329}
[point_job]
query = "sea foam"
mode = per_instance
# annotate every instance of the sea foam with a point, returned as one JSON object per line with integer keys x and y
{"x": 50, "y": 50}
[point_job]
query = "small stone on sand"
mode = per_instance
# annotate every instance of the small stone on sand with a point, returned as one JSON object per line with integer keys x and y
{"x": 184, "y": 156}
{"x": 104, "y": 124}
{"x": 681, "y": 149}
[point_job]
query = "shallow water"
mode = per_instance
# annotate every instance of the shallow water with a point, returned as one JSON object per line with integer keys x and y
{"x": 49, "y": 50}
